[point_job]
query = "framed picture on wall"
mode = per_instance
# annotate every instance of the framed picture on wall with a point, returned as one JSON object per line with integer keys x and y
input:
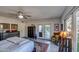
{"x": 56, "y": 27}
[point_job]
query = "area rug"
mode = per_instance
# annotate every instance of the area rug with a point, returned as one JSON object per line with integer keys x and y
{"x": 41, "y": 47}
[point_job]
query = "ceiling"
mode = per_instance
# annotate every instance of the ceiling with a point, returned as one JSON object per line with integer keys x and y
{"x": 37, "y": 12}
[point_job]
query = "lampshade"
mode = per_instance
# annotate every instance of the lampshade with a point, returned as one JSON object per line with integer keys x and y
{"x": 63, "y": 34}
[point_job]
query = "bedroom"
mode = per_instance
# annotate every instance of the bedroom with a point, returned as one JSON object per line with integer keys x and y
{"x": 36, "y": 24}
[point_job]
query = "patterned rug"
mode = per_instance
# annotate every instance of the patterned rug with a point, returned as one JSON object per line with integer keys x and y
{"x": 41, "y": 47}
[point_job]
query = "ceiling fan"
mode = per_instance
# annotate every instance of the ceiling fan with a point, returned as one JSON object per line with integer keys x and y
{"x": 18, "y": 13}
{"x": 22, "y": 15}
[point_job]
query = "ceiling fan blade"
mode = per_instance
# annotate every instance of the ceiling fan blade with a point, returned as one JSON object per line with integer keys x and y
{"x": 25, "y": 17}
{"x": 12, "y": 14}
{"x": 28, "y": 15}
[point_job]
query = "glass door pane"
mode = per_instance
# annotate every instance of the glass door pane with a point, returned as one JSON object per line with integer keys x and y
{"x": 40, "y": 31}
{"x": 47, "y": 31}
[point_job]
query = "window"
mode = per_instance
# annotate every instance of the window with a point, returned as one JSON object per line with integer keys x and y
{"x": 77, "y": 29}
{"x": 68, "y": 25}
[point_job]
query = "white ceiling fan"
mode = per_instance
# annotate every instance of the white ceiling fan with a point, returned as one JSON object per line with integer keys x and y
{"x": 22, "y": 15}
{"x": 17, "y": 13}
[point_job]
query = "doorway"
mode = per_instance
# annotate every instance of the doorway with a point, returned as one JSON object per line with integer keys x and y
{"x": 44, "y": 31}
{"x": 31, "y": 31}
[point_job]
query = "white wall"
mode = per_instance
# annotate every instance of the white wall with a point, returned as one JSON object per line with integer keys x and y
{"x": 36, "y": 23}
{"x": 21, "y": 26}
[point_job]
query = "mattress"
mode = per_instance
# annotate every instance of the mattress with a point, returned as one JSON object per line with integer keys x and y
{"x": 16, "y": 44}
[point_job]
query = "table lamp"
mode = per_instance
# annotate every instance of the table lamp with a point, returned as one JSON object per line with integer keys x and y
{"x": 63, "y": 34}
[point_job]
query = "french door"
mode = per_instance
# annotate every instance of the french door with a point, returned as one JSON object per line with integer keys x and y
{"x": 47, "y": 31}
{"x": 44, "y": 31}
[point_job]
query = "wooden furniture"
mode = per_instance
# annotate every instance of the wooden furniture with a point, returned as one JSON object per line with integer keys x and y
{"x": 31, "y": 31}
{"x": 4, "y": 35}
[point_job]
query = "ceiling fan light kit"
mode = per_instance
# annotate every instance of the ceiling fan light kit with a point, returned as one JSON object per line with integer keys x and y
{"x": 21, "y": 16}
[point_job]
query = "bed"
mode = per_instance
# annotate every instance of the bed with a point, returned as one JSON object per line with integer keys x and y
{"x": 16, "y": 44}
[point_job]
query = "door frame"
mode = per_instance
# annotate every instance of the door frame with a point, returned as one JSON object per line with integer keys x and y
{"x": 43, "y": 30}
